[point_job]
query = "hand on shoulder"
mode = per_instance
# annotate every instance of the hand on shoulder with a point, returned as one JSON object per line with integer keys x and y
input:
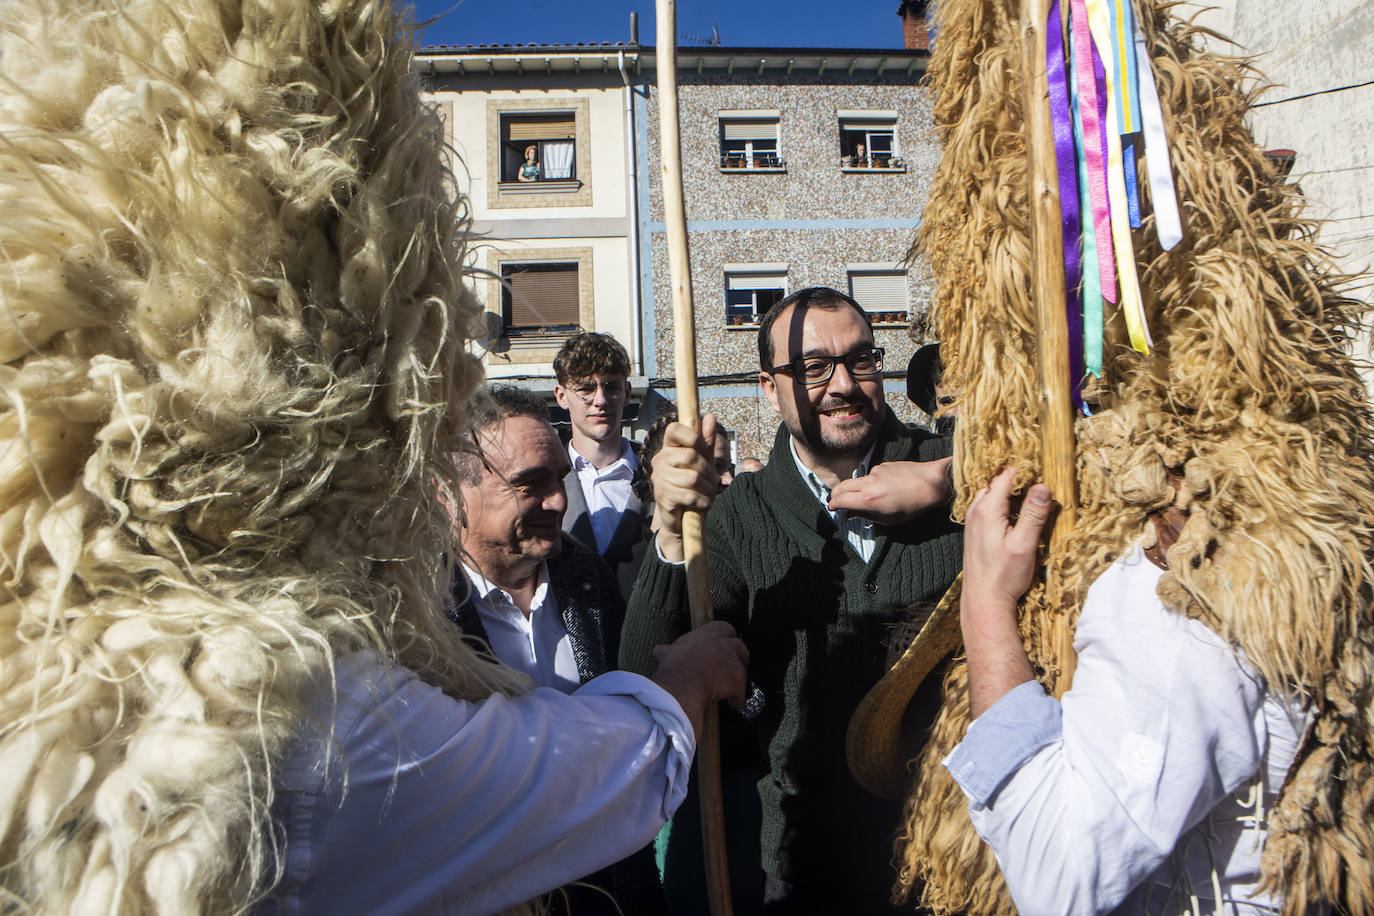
{"x": 895, "y": 491}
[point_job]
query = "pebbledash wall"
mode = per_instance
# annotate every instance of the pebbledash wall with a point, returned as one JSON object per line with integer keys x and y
{"x": 818, "y": 218}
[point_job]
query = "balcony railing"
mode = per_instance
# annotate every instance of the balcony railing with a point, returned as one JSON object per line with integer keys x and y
{"x": 758, "y": 162}
{"x": 873, "y": 163}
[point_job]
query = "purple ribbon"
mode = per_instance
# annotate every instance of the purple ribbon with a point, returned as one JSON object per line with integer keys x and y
{"x": 1061, "y": 118}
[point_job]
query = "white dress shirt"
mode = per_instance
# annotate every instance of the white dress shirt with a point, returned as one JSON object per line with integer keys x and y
{"x": 607, "y": 491}
{"x": 469, "y": 808}
{"x": 859, "y": 532}
{"x": 538, "y": 644}
{"x": 1122, "y": 796}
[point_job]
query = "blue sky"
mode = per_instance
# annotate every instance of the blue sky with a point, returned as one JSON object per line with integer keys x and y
{"x": 778, "y": 23}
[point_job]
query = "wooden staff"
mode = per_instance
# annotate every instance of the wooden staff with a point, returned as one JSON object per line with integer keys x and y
{"x": 1052, "y": 329}
{"x": 685, "y": 363}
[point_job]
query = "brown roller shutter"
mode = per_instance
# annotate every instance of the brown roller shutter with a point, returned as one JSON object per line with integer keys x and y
{"x": 541, "y": 296}
{"x": 540, "y": 127}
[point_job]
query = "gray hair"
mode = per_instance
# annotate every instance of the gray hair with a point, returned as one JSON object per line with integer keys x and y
{"x": 489, "y": 407}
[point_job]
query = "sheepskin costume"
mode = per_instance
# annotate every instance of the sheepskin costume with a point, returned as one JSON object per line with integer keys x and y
{"x": 1250, "y": 396}
{"x": 232, "y": 345}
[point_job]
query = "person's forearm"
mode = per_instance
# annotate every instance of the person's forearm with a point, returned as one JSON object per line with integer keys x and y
{"x": 997, "y": 659}
{"x": 670, "y": 546}
{"x": 687, "y": 691}
{"x": 656, "y": 614}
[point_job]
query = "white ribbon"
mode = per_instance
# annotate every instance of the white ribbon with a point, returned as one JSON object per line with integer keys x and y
{"x": 1162, "y": 195}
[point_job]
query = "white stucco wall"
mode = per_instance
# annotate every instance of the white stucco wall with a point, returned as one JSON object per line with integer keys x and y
{"x": 1314, "y": 48}
{"x": 596, "y": 228}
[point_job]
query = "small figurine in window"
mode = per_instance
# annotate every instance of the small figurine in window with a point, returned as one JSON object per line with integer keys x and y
{"x": 529, "y": 169}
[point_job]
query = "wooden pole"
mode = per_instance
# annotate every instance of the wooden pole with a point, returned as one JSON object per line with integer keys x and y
{"x": 1052, "y": 331}
{"x": 685, "y": 364}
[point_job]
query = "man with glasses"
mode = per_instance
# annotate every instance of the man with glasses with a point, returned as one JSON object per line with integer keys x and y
{"x": 593, "y": 372}
{"x": 813, "y": 559}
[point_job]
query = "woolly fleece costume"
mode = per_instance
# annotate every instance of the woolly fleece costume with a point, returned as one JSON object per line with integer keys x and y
{"x": 230, "y": 359}
{"x": 816, "y": 620}
{"x": 1250, "y": 396}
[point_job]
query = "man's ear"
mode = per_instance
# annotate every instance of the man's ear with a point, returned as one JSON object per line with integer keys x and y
{"x": 770, "y": 389}
{"x": 450, "y": 497}
{"x": 560, "y": 395}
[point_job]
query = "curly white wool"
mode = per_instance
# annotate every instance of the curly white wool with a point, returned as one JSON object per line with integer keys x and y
{"x": 230, "y": 363}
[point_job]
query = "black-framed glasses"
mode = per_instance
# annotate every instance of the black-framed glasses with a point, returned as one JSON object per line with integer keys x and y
{"x": 817, "y": 370}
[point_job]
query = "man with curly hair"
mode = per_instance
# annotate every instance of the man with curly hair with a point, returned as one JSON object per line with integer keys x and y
{"x": 593, "y": 373}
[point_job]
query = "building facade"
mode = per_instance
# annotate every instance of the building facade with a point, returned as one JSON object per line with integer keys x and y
{"x": 1319, "y": 106}
{"x": 801, "y": 167}
{"x": 543, "y": 147}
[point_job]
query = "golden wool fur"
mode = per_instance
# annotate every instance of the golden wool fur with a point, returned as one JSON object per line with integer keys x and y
{"x": 1250, "y": 395}
{"x": 231, "y": 335}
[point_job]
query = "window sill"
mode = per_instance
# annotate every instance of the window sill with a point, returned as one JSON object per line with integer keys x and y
{"x": 889, "y": 319}
{"x": 567, "y": 186}
{"x": 532, "y": 338}
{"x": 754, "y": 170}
{"x": 751, "y": 325}
{"x": 874, "y": 170}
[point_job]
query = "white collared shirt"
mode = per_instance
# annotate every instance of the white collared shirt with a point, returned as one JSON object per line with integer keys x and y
{"x": 859, "y": 532}
{"x": 467, "y": 808}
{"x": 1119, "y": 797}
{"x": 607, "y": 491}
{"x": 538, "y": 644}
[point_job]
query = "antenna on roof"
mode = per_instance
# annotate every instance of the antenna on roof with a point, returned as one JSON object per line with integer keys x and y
{"x": 712, "y": 42}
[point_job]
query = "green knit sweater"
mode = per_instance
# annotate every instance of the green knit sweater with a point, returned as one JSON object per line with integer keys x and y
{"x": 816, "y": 619}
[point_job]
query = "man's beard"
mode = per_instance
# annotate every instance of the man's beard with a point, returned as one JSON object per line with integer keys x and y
{"x": 849, "y": 443}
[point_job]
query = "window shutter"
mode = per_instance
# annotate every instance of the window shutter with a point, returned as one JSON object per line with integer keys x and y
{"x": 540, "y": 127}
{"x": 740, "y": 129}
{"x": 756, "y": 281}
{"x": 542, "y": 295}
{"x": 858, "y": 124}
{"x": 877, "y": 291}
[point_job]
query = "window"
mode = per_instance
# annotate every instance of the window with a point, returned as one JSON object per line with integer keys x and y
{"x": 540, "y": 299}
{"x": 882, "y": 293}
{"x": 751, "y": 290}
{"x": 558, "y": 129}
{"x": 749, "y": 140}
{"x": 868, "y": 140}
{"x": 539, "y": 147}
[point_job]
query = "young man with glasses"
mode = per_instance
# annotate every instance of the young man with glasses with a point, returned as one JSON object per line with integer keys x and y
{"x": 813, "y": 559}
{"x": 593, "y": 372}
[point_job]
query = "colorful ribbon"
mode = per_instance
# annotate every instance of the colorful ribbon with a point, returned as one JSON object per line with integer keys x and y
{"x": 1090, "y": 110}
{"x": 1163, "y": 198}
{"x": 1128, "y": 283}
{"x": 1092, "y": 278}
{"x": 1066, "y": 161}
{"x": 1104, "y": 106}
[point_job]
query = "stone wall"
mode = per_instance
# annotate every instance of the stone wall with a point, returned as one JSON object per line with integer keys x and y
{"x": 815, "y": 217}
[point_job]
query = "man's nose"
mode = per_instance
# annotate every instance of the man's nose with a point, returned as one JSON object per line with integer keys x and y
{"x": 557, "y": 500}
{"x": 842, "y": 380}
